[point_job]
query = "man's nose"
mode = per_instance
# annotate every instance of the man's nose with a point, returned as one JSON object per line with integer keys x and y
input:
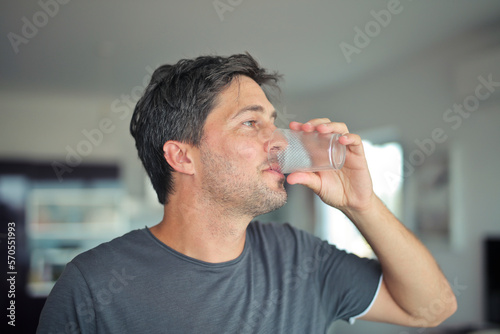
{"x": 276, "y": 141}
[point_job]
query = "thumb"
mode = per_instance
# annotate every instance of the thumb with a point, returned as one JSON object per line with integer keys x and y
{"x": 310, "y": 180}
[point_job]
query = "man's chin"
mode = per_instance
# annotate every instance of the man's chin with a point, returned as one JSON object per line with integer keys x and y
{"x": 269, "y": 201}
{"x": 278, "y": 198}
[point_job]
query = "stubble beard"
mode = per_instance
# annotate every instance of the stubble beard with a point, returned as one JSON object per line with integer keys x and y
{"x": 235, "y": 192}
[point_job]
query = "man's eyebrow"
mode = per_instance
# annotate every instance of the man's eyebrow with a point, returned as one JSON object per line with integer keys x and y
{"x": 252, "y": 108}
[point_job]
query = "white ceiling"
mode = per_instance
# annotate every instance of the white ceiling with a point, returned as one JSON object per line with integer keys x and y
{"x": 106, "y": 45}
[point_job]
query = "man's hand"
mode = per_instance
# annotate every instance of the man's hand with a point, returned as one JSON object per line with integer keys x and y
{"x": 349, "y": 188}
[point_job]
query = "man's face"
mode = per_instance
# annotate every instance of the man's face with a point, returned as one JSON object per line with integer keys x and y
{"x": 233, "y": 151}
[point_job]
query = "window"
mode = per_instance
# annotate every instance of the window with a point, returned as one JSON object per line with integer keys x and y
{"x": 385, "y": 163}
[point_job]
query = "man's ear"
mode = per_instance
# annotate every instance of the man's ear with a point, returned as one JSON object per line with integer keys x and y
{"x": 178, "y": 156}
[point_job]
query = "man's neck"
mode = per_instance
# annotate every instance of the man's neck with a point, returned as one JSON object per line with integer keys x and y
{"x": 201, "y": 230}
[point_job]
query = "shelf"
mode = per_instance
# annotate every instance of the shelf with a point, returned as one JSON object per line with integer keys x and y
{"x": 62, "y": 223}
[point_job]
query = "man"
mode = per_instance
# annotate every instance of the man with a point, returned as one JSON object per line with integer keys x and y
{"x": 201, "y": 131}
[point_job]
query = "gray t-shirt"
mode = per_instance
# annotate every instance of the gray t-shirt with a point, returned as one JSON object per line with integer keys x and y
{"x": 284, "y": 281}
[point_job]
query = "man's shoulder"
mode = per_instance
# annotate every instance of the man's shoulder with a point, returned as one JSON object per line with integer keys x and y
{"x": 121, "y": 249}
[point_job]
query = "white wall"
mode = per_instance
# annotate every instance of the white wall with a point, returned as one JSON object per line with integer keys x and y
{"x": 49, "y": 125}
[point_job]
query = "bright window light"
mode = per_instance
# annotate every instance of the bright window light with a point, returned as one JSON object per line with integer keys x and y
{"x": 385, "y": 163}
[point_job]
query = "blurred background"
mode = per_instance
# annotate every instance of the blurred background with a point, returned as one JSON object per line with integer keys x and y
{"x": 419, "y": 80}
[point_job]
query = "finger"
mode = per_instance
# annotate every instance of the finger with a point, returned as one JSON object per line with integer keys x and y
{"x": 352, "y": 142}
{"x": 318, "y": 121}
{"x": 322, "y": 125}
{"x": 310, "y": 180}
{"x": 295, "y": 126}
{"x": 336, "y": 127}
{"x": 309, "y": 126}
{"x": 306, "y": 127}
{"x": 312, "y": 124}
{"x": 350, "y": 139}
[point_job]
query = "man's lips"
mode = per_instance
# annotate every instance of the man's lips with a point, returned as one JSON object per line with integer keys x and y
{"x": 274, "y": 168}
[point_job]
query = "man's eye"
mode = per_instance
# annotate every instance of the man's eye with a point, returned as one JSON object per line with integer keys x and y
{"x": 250, "y": 123}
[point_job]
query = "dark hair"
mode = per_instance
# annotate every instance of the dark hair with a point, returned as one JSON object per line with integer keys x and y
{"x": 176, "y": 103}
